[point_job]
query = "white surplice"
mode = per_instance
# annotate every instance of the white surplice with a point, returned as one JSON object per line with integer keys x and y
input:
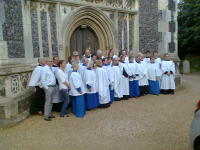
{"x": 36, "y": 76}
{"x": 57, "y": 98}
{"x": 82, "y": 70}
{"x": 68, "y": 69}
{"x": 75, "y": 83}
{"x": 167, "y": 81}
{"x": 116, "y": 84}
{"x": 111, "y": 76}
{"x": 103, "y": 85}
{"x": 147, "y": 60}
{"x": 90, "y": 79}
{"x": 143, "y": 75}
{"x": 153, "y": 71}
{"x": 133, "y": 67}
{"x": 124, "y": 82}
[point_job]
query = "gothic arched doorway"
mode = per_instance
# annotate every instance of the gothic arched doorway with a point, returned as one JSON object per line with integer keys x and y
{"x": 82, "y": 38}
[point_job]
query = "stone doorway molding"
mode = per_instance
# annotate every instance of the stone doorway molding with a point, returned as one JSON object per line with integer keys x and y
{"x": 95, "y": 19}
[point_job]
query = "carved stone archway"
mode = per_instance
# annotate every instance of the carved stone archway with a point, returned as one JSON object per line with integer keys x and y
{"x": 97, "y": 21}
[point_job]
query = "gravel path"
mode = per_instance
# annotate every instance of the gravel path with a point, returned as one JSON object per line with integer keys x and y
{"x": 151, "y": 122}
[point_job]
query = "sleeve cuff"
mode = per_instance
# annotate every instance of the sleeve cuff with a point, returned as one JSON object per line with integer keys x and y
{"x": 171, "y": 72}
{"x": 79, "y": 89}
{"x": 165, "y": 72}
{"x": 88, "y": 86}
{"x": 137, "y": 74}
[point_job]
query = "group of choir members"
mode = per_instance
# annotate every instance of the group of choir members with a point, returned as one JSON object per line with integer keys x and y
{"x": 97, "y": 81}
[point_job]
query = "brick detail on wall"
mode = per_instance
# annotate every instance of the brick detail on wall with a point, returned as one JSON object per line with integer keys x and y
{"x": 130, "y": 33}
{"x": 172, "y": 25}
{"x": 149, "y": 37}
{"x": 54, "y": 42}
{"x": 13, "y": 28}
{"x": 45, "y": 45}
{"x": 34, "y": 31}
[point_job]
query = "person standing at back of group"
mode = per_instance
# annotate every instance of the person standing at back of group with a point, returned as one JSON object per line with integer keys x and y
{"x": 147, "y": 58}
{"x": 83, "y": 68}
{"x": 112, "y": 51}
{"x": 48, "y": 82}
{"x": 87, "y": 54}
{"x": 35, "y": 81}
{"x": 68, "y": 68}
{"x": 99, "y": 54}
{"x": 123, "y": 52}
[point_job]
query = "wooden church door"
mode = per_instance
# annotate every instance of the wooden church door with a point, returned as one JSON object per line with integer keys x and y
{"x": 83, "y": 38}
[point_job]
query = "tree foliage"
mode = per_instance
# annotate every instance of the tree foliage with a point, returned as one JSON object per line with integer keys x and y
{"x": 188, "y": 27}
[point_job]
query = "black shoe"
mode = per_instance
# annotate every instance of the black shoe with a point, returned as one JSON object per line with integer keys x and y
{"x": 47, "y": 119}
{"x": 52, "y": 116}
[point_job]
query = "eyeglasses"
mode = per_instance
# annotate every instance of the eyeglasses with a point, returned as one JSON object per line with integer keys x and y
{"x": 49, "y": 61}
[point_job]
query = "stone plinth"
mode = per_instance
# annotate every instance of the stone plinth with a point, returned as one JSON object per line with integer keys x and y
{"x": 15, "y": 96}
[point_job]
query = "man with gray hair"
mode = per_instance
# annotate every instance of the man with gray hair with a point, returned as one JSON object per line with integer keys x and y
{"x": 83, "y": 68}
{"x": 35, "y": 82}
{"x": 48, "y": 83}
{"x": 87, "y": 54}
{"x": 99, "y": 54}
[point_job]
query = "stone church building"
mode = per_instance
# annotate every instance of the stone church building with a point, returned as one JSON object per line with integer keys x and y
{"x": 46, "y": 28}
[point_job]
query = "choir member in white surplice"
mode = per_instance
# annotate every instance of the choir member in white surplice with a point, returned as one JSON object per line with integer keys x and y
{"x": 168, "y": 76}
{"x": 58, "y": 98}
{"x": 154, "y": 74}
{"x": 147, "y": 58}
{"x": 125, "y": 74}
{"x": 90, "y": 83}
{"x": 123, "y": 52}
{"x": 118, "y": 96}
{"x": 77, "y": 92}
{"x": 143, "y": 75}
{"x": 39, "y": 93}
{"x": 68, "y": 69}
{"x": 111, "y": 77}
{"x": 77, "y": 58}
{"x": 87, "y": 54}
{"x": 83, "y": 68}
{"x": 114, "y": 56}
{"x": 102, "y": 85}
{"x": 158, "y": 61}
{"x": 108, "y": 70}
{"x": 133, "y": 82}
{"x": 99, "y": 54}
{"x": 131, "y": 55}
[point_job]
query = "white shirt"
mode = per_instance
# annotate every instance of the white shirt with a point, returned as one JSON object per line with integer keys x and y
{"x": 36, "y": 76}
{"x": 47, "y": 77}
{"x": 62, "y": 77}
